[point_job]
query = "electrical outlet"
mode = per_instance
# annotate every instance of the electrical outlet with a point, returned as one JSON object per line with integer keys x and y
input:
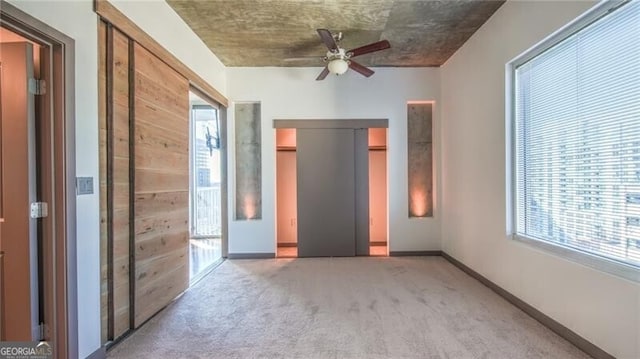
{"x": 84, "y": 185}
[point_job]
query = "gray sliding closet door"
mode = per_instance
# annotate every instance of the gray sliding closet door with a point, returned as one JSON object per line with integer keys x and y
{"x": 361, "y": 148}
{"x": 326, "y": 192}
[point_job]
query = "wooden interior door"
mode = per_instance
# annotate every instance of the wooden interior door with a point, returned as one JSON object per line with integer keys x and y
{"x": 18, "y": 243}
{"x": 118, "y": 190}
{"x": 161, "y": 203}
{"x": 2, "y": 270}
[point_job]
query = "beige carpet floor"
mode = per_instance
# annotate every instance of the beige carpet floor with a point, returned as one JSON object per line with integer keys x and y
{"x": 398, "y": 307}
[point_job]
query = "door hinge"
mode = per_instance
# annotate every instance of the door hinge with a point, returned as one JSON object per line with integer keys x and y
{"x": 37, "y": 87}
{"x": 39, "y": 210}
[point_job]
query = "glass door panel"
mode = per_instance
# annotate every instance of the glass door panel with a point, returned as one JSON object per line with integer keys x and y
{"x": 205, "y": 197}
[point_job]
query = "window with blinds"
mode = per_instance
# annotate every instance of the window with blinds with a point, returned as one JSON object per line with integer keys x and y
{"x": 577, "y": 139}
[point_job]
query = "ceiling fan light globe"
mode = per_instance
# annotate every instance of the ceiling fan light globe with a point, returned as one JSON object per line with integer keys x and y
{"x": 338, "y": 66}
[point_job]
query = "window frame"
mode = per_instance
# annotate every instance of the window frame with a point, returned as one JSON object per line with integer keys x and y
{"x": 601, "y": 263}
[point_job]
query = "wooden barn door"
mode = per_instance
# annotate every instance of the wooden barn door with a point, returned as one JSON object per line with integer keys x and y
{"x": 161, "y": 182}
{"x": 116, "y": 187}
{"x": 144, "y": 172}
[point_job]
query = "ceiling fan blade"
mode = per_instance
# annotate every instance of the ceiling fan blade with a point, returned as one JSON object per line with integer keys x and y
{"x": 328, "y": 39}
{"x": 323, "y": 74}
{"x": 376, "y": 46}
{"x": 365, "y": 71}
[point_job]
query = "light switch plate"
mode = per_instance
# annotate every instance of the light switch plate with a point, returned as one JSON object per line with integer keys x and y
{"x": 84, "y": 185}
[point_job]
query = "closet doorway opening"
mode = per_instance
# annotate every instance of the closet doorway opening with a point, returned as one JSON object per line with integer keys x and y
{"x": 378, "y": 202}
{"x": 366, "y": 226}
{"x": 287, "y": 205}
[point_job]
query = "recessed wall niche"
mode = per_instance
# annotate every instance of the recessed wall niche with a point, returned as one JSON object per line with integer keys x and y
{"x": 248, "y": 163}
{"x": 420, "y": 159}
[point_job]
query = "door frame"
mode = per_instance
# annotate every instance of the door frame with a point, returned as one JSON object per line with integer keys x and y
{"x": 354, "y": 124}
{"x": 332, "y": 123}
{"x": 224, "y": 195}
{"x": 57, "y": 179}
{"x": 192, "y": 176}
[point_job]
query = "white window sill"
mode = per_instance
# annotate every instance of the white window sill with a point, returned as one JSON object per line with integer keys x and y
{"x": 615, "y": 268}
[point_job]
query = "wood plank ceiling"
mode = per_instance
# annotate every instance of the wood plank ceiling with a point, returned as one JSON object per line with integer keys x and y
{"x": 265, "y": 32}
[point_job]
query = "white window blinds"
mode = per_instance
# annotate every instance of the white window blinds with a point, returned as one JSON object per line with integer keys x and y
{"x": 577, "y": 140}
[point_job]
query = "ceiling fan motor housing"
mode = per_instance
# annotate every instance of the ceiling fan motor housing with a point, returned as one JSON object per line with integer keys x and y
{"x": 339, "y": 54}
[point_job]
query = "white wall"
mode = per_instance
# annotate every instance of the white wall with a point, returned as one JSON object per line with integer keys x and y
{"x": 77, "y": 20}
{"x": 602, "y": 308}
{"x": 293, "y": 93}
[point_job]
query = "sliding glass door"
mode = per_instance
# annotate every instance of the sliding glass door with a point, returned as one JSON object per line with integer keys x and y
{"x": 205, "y": 194}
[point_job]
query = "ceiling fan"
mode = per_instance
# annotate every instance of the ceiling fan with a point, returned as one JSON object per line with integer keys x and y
{"x": 338, "y": 60}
